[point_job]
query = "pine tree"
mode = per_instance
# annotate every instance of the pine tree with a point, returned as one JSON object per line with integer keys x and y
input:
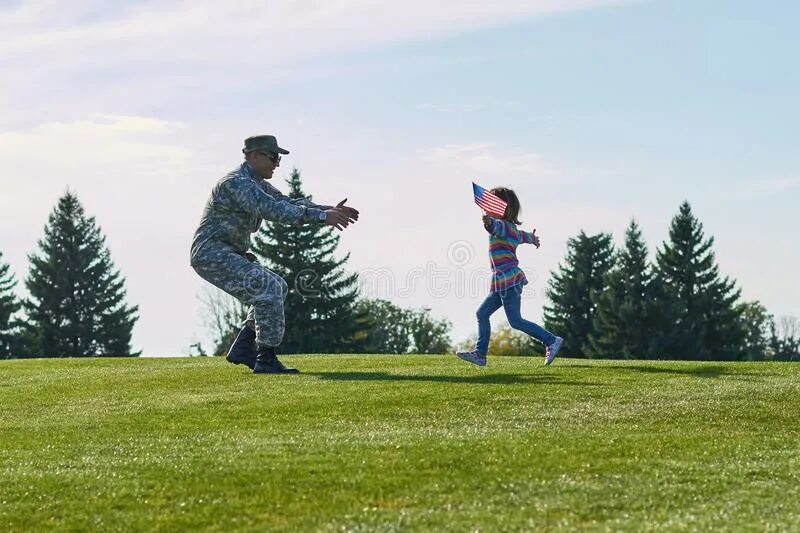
{"x": 571, "y": 289}
{"x": 704, "y": 319}
{"x": 626, "y": 309}
{"x": 77, "y": 297}
{"x": 320, "y": 308}
{"x": 9, "y": 305}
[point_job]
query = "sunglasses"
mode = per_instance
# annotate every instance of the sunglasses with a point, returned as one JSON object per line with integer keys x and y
{"x": 275, "y": 158}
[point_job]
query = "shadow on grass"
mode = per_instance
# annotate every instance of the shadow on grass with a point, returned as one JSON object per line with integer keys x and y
{"x": 705, "y": 371}
{"x": 486, "y": 379}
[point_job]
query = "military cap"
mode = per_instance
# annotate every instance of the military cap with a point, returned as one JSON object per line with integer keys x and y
{"x": 263, "y": 143}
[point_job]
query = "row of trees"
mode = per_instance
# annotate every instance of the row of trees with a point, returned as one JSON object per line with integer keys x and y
{"x": 605, "y": 302}
{"x": 76, "y": 297}
{"x": 616, "y": 304}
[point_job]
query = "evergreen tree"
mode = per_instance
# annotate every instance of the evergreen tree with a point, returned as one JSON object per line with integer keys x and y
{"x": 571, "y": 289}
{"x": 704, "y": 320}
{"x": 623, "y": 323}
{"x": 9, "y": 305}
{"x": 77, "y": 297}
{"x": 320, "y": 307}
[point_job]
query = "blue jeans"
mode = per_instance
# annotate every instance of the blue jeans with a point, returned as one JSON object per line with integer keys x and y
{"x": 509, "y": 299}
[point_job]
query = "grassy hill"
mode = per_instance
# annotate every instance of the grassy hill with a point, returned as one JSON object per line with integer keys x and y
{"x": 398, "y": 443}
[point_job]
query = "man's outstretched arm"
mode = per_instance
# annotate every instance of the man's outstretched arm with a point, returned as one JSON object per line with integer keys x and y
{"x": 305, "y": 202}
{"x": 246, "y": 195}
{"x": 351, "y": 213}
{"x": 251, "y": 198}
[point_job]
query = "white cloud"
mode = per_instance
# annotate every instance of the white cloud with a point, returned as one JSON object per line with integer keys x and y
{"x": 92, "y": 151}
{"x": 101, "y": 139}
{"x": 769, "y": 187}
{"x": 206, "y": 43}
{"x": 233, "y": 29}
{"x": 486, "y": 159}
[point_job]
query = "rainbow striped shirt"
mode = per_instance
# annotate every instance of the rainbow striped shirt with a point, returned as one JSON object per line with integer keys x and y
{"x": 504, "y": 237}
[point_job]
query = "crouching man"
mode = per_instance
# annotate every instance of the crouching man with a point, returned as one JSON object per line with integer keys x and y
{"x": 219, "y": 254}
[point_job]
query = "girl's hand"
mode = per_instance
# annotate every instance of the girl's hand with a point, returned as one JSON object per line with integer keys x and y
{"x": 487, "y": 221}
{"x": 536, "y": 241}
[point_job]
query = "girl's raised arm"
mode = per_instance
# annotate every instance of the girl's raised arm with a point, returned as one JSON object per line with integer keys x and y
{"x": 529, "y": 237}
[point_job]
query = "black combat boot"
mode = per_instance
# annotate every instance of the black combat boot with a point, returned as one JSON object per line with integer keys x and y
{"x": 243, "y": 350}
{"x": 267, "y": 363}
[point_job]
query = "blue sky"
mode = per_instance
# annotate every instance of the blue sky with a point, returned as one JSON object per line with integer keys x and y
{"x": 594, "y": 111}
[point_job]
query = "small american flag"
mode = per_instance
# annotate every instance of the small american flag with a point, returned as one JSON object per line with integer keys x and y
{"x": 488, "y": 201}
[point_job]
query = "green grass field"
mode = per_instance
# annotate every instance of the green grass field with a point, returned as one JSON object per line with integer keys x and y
{"x": 366, "y": 443}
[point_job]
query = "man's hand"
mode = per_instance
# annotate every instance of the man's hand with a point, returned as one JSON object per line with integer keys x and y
{"x": 351, "y": 213}
{"x": 335, "y": 217}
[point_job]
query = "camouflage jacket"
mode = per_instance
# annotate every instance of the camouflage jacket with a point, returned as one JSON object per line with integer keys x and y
{"x": 237, "y": 205}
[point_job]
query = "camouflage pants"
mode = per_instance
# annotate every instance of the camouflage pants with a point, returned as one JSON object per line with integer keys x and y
{"x": 249, "y": 282}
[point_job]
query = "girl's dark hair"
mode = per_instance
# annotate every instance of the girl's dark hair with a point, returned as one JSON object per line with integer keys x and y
{"x": 512, "y": 207}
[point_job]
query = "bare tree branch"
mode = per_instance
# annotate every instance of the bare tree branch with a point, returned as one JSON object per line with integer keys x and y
{"x": 223, "y": 315}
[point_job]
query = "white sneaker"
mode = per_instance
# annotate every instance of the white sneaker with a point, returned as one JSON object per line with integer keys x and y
{"x": 473, "y": 357}
{"x": 552, "y": 350}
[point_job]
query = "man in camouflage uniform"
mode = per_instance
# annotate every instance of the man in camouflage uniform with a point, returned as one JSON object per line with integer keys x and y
{"x": 235, "y": 209}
